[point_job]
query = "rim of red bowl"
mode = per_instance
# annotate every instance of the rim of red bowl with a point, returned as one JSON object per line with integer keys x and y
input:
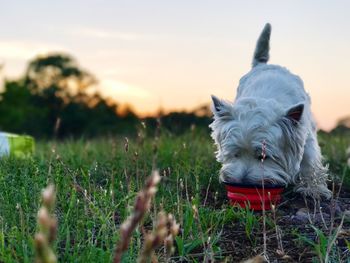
{"x": 259, "y": 186}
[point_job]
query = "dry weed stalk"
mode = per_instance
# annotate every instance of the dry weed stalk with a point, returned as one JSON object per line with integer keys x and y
{"x": 333, "y": 239}
{"x": 280, "y": 250}
{"x": 207, "y": 191}
{"x": 156, "y": 143}
{"x": 47, "y": 223}
{"x": 173, "y": 231}
{"x": 142, "y": 205}
{"x": 127, "y": 176}
{"x": 207, "y": 247}
{"x": 165, "y": 231}
{"x": 263, "y": 154}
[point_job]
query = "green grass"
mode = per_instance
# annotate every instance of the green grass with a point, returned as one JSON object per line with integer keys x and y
{"x": 97, "y": 181}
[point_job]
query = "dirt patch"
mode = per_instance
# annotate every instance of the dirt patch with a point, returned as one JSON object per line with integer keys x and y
{"x": 294, "y": 232}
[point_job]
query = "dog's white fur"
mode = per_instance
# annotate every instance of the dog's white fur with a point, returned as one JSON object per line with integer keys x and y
{"x": 271, "y": 112}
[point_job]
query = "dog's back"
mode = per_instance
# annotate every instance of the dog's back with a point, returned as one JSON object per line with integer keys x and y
{"x": 270, "y": 81}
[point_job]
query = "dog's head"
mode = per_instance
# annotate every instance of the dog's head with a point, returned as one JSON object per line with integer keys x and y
{"x": 257, "y": 138}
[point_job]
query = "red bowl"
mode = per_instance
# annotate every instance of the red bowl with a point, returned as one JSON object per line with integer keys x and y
{"x": 254, "y": 196}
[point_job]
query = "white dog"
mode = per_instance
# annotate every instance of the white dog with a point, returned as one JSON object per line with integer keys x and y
{"x": 268, "y": 134}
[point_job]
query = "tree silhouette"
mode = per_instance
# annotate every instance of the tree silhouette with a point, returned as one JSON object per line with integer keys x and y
{"x": 54, "y": 87}
{"x": 20, "y": 111}
{"x": 344, "y": 122}
{"x": 58, "y": 75}
{"x": 56, "y": 81}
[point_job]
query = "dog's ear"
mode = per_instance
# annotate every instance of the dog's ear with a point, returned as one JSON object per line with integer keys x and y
{"x": 261, "y": 54}
{"x": 295, "y": 113}
{"x": 220, "y": 108}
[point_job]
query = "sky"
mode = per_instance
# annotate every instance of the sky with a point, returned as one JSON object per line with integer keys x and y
{"x": 175, "y": 54}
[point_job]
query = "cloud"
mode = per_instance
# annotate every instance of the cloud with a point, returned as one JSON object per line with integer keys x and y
{"x": 14, "y": 49}
{"x": 117, "y": 89}
{"x": 104, "y": 34}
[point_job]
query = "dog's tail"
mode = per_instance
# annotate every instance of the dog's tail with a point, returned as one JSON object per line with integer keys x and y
{"x": 261, "y": 54}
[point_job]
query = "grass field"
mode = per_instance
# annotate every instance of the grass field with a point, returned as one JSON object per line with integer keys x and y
{"x": 98, "y": 180}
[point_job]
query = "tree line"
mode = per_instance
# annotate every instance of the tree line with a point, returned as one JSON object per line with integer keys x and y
{"x": 55, "y": 97}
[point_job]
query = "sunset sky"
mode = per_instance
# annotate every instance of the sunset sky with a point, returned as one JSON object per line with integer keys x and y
{"x": 175, "y": 54}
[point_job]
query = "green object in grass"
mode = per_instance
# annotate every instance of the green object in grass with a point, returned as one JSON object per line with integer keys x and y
{"x": 16, "y": 145}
